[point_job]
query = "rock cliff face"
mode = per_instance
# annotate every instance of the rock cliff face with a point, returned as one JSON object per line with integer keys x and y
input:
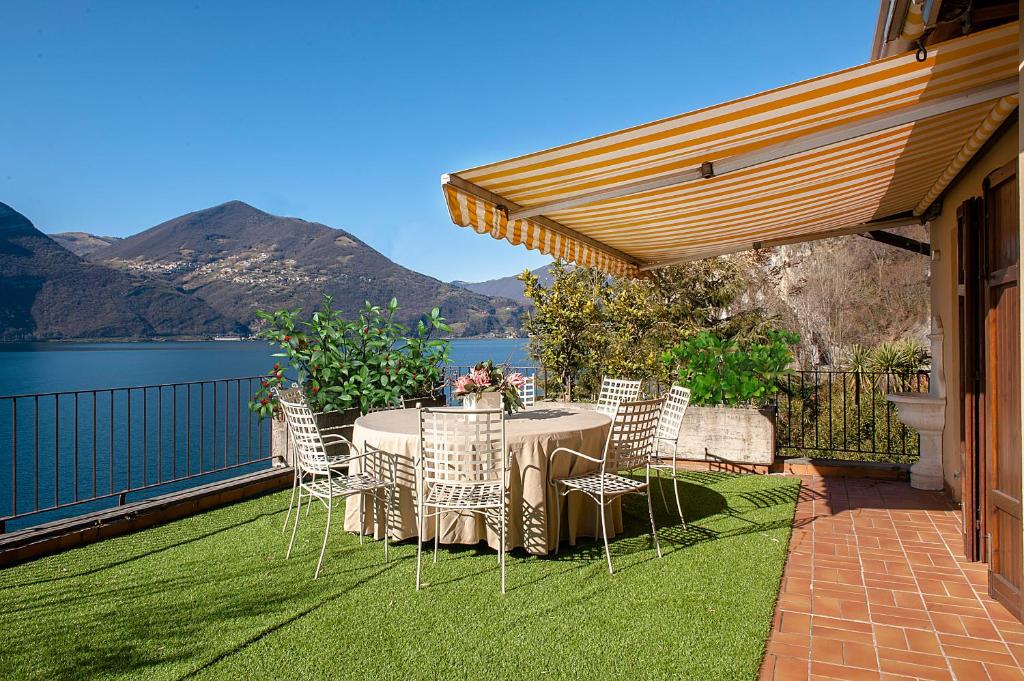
{"x": 47, "y": 292}
{"x": 240, "y": 259}
{"x": 846, "y": 291}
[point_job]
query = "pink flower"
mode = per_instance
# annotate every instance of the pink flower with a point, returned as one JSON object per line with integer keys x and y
{"x": 516, "y": 379}
{"x": 462, "y": 384}
{"x": 481, "y": 377}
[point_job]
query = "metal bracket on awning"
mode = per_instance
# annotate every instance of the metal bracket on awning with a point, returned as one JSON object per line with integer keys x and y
{"x": 707, "y": 170}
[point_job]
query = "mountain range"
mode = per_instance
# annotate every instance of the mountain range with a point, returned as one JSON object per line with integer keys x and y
{"x": 208, "y": 272}
{"x": 48, "y": 292}
{"x": 507, "y": 287}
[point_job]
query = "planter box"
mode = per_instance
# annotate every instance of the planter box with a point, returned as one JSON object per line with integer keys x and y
{"x": 729, "y": 434}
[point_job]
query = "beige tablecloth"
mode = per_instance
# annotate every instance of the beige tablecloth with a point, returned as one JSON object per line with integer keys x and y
{"x": 532, "y": 436}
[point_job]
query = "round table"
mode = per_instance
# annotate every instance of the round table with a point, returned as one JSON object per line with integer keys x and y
{"x": 531, "y": 435}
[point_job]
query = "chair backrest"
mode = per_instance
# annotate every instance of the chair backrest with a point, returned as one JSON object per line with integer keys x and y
{"x": 462, "y": 446}
{"x": 676, "y": 402}
{"x": 311, "y": 455}
{"x": 614, "y": 391}
{"x": 631, "y": 439}
{"x": 528, "y": 391}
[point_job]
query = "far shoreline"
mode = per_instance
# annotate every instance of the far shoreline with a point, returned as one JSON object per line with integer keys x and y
{"x": 186, "y": 339}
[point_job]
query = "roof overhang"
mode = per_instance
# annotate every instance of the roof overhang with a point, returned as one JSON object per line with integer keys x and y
{"x": 848, "y": 152}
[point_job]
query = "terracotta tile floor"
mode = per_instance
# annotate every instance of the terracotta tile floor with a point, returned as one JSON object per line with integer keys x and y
{"x": 875, "y": 588}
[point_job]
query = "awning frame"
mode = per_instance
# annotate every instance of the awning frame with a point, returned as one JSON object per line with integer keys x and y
{"x": 510, "y": 207}
{"x": 909, "y": 114}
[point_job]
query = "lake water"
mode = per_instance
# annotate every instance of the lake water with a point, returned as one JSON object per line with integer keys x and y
{"x": 57, "y": 367}
{"x": 61, "y": 455}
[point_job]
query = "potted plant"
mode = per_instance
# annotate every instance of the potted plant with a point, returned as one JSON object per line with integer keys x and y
{"x": 347, "y": 367}
{"x": 732, "y": 387}
{"x": 489, "y": 387}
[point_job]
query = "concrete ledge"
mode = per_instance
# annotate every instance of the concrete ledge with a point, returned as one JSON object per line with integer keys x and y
{"x": 840, "y": 468}
{"x": 59, "y": 535}
{"x": 824, "y": 468}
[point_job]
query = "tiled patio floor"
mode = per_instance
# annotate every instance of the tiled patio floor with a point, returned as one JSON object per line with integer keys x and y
{"x": 875, "y": 588}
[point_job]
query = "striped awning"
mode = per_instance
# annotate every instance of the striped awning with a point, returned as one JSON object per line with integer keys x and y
{"x": 849, "y": 151}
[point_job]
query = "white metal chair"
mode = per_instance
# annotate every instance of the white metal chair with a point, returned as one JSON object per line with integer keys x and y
{"x": 326, "y": 479}
{"x": 528, "y": 391}
{"x": 462, "y": 465}
{"x": 294, "y": 394}
{"x": 629, "y": 447}
{"x": 614, "y": 391}
{"x": 676, "y": 401}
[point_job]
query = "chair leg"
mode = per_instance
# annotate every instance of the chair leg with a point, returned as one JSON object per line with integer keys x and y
{"x": 437, "y": 533}
{"x": 389, "y": 504}
{"x": 419, "y": 548}
{"x": 675, "y": 487}
{"x": 298, "y": 511}
{"x": 604, "y": 533}
{"x": 661, "y": 488}
{"x": 650, "y": 511}
{"x": 362, "y": 515}
{"x": 291, "y": 499}
{"x": 501, "y": 547}
{"x": 382, "y": 500}
{"x": 558, "y": 519}
{"x": 327, "y": 531}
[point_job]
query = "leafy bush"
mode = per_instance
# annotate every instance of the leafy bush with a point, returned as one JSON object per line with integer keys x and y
{"x": 367, "y": 362}
{"x": 585, "y": 325}
{"x": 722, "y": 372}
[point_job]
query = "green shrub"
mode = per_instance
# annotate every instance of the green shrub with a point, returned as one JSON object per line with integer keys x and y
{"x": 367, "y": 362}
{"x": 724, "y": 372}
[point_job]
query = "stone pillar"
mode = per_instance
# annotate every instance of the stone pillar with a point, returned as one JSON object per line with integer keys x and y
{"x": 280, "y": 443}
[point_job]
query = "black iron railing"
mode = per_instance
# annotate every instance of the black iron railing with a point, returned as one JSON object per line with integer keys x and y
{"x": 74, "y": 452}
{"x": 842, "y": 414}
{"x": 821, "y": 413}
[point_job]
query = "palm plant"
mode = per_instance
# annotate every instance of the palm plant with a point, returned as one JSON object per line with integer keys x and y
{"x": 899, "y": 362}
{"x": 857, "y": 365}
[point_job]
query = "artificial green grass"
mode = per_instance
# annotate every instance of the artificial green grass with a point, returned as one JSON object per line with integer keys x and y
{"x": 212, "y": 597}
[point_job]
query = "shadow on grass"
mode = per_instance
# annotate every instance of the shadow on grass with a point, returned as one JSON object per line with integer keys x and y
{"x": 700, "y": 501}
{"x": 152, "y": 614}
{"x": 276, "y": 626}
{"x": 175, "y": 542}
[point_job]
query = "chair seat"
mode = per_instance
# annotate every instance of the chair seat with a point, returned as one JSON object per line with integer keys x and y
{"x": 613, "y": 484}
{"x": 344, "y": 485}
{"x": 483, "y": 495}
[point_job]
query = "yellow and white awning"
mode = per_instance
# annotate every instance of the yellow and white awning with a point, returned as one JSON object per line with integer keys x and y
{"x": 848, "y": 151}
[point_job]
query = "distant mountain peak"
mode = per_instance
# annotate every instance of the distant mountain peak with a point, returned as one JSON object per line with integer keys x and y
{"x": 13, "y": 223}
{"x": 46, "y": 292}
{"x": 506, "y": 287}
{"x": 241, "y": 259}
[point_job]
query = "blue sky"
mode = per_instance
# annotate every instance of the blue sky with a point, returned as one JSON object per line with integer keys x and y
{"x": 116, "y": 116}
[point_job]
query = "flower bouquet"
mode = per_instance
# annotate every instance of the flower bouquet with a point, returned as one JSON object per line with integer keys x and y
{"x": 488, "y": 387}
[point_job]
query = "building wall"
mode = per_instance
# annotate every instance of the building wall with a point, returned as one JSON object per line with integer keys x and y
{"x": 944, "y": 291}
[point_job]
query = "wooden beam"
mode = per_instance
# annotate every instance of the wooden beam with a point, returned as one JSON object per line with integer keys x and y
{"x": 498, "y": 200}
{"x": 897, "y": 241}
{"x": 859, "y": 228}
{"x": 773, "y": 152}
